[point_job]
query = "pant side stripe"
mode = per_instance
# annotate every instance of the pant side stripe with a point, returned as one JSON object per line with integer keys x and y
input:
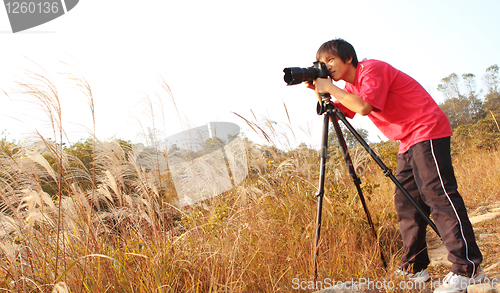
{"x": 453, "y": 206}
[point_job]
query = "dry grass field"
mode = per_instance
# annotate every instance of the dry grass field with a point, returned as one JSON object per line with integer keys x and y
{"x": 107, "y": 224}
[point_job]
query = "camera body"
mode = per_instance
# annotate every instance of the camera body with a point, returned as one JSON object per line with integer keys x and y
{"x": 296, "y": 75}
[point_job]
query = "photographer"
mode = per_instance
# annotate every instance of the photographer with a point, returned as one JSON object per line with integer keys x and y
{"x": 403, "y": 110}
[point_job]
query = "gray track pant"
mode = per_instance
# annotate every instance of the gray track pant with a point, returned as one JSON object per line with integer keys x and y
{"x": 426, "y": 172}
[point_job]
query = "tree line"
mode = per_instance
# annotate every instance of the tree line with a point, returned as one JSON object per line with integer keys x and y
{"x": 464, "y": 104}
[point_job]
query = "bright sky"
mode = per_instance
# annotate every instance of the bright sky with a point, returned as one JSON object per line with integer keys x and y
{"x": 220, "y": 57}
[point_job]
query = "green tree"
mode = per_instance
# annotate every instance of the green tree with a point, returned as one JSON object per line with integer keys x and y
{"x": 475, "y": 104}
{"x": 462, "y": 104}
{"x": 84, "y": 151}
{"x": 492, "y": 82}
{"x": 350, "y": 139}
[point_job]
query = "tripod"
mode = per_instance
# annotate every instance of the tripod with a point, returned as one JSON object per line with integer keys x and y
{"x": 331, "y": 113}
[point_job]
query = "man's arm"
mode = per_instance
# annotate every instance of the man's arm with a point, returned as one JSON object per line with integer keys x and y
{"x": 351, "y": 101}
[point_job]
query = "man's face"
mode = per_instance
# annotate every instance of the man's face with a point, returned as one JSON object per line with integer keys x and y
{"x": 338, "y": 69}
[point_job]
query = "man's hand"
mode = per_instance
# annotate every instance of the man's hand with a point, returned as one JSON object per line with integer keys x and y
{"x": 310, "y": 85}
{"x": 324, "y": 85}
{"x": 321, "y": 86}
{"x": 350, "y": 101}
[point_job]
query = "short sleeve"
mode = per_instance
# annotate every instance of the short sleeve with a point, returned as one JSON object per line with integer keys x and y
{"x": 373, "y": 85}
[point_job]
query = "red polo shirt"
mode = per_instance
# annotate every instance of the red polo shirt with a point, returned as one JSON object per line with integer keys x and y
{"x": 402, "y": 108}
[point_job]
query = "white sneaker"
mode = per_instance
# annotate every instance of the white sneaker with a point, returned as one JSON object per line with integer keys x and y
{"x": 418, "y": 277}
{"x": 454, "y": 283}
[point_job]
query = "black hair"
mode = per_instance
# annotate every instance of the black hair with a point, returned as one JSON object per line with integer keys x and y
{"x": 339, "y": 48}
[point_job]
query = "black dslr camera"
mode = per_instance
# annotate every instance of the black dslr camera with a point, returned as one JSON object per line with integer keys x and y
{"x": 296, "y": 75}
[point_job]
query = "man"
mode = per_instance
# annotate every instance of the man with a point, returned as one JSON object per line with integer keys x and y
{"x": 403, "y": 110}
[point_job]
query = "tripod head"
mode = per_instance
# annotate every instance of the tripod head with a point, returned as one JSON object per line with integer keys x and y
{"x": 325, "y": 105}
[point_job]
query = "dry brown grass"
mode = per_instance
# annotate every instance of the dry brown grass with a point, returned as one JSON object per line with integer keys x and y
{"x": 112, "y": 227}
{"x": 478, "y": 176}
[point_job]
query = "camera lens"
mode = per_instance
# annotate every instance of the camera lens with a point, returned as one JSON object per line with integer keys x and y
{"x": 296, "y": 75}
{"x": 293, "y": 75}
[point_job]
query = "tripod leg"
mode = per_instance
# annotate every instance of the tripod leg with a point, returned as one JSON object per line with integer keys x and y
{"x": 386, "y": 170}
{"x": 321, "y": 190}
{"x": 357, "y": 182}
